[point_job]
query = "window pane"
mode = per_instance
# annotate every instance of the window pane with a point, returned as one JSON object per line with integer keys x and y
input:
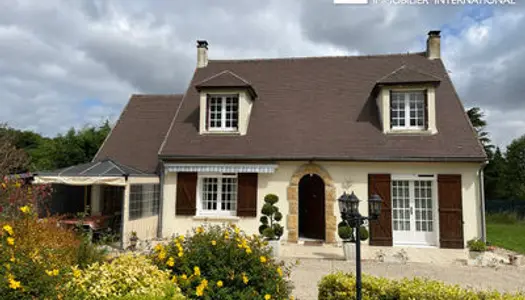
{"x": 229, "y": 194}
{"x": 232, "y": 112}
{"x": 209, "y": 193}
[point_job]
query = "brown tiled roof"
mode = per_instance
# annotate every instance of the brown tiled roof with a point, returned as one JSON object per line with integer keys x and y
{"x": 136, "y": 138}
{"x": 322, "y": 108}
{"x": 226, "y": 79}
{"x": 404, "y": 74}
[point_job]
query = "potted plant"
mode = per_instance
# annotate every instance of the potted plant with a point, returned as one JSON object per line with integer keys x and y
{"x": 346, "y": 233}
{"x": 476, "y": 248}
{"x": 270, "y": 228}
{"x": 133, "y": 240}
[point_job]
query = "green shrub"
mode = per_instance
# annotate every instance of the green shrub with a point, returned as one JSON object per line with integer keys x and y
{"x": 126, "y": 277}
{"x": 363, "y": 233}
{"x": 339, "y": 286}
{"x": 270, "y": 228}
{"x": 477, "y": 245}
{"x": 223, "y": 263}
{"x": 35, "y": 255}
{"x": 346, "y": 233}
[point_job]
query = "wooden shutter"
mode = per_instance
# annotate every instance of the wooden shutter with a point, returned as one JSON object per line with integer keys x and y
{"x": 207, "y": 110}
{"x": 450, "y": 211}
{"x": 381, "y": 229}
{"x": 247, "y": 195}
{"x": 186, "y": 194}
{"x": 391, "y": 109}
{"x": 425, "y": 107}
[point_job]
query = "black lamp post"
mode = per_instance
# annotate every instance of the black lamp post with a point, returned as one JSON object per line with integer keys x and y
{"x": 349, "y": 207}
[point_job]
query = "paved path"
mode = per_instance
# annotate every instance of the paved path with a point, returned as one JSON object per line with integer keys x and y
{"x": 307, "y": 274}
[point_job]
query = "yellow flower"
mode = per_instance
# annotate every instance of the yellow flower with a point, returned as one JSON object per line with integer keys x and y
{"x": 158, "y": 247}
{"x": 54, "y": 272}
{"x": 199, "y": 229}
{"x": 12, "y": 259}
{"x": 248, "y": 251}
{"x": 25, "y": 209}
{"x": 292, "y": 298}
{"x": 267, "y": 297}
{"x": 245, "y": 278}
{"x": 279, "y": 271}
{"x": 13, "y": 284}
{"x": 219, "y": 283}
{"x": 181, "y": 237}
{"x": 237, "y": 230}
{"x": 170, "y": 262}
{"x": 214, "y": 243}
{"x": 184, "y": 276}
{"x": 18, "y": 184}
{"x": 76, "y": 272}
{"x": 180, "y": 254}
{"x": 197, "y": 271}
{"x": 10, "y": 241}
{"x": 263, "y": 259}
{"x": 162, "y": 255}
{"x": 174, "y": 279}
{"x": 199, "y": 291}
{"x": 8, "y": 229}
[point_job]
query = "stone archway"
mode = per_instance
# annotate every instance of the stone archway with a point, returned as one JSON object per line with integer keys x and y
{"x": 293, "y": 202}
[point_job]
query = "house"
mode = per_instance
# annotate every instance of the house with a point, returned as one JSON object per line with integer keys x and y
{"x": 308, "y": 129}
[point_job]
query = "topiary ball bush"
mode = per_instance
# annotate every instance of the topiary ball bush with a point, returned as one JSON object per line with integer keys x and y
{"x": 363, "y": 233}
{"x": 345, "y": 233}
{"x": 271, "y": 199}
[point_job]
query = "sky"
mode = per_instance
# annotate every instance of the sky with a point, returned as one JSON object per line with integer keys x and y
{"x": 70, "y": 64}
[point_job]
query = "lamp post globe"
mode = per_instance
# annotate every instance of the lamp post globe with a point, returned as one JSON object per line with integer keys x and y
{"x": 374, "y": 206}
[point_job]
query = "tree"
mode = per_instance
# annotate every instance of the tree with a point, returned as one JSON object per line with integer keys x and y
{"x": 515, "y": 169}
{"x": 12, "y": 159}
{"x": 496, "y": 186}
{"x": 477, "y": 118}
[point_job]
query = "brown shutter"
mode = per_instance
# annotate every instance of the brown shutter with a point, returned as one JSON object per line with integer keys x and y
{"x": 391, "y": 109}
{"x": 450, "y": 211}
{"x": 247, "y": 195}
{"x": 381, "y": 229}
{"x": 207, "y": 109}
{"x": 426, "y": 110}
{"x": 186, "y": 194}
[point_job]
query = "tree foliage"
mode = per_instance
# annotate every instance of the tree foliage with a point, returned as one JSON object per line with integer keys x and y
{"x": 44, "y": 153}
{"x": 477, "y": 118}
{"x": 515, "y": 168}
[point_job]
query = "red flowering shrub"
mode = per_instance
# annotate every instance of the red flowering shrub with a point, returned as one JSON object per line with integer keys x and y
{"x": 15, "y": 192}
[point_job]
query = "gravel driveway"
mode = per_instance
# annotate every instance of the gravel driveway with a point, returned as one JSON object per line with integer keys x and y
{"x": 307, "y": 274}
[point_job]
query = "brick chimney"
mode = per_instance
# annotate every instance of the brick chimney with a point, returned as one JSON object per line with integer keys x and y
{"x": 202, "y": 54}
{"x": 434, "y": 44}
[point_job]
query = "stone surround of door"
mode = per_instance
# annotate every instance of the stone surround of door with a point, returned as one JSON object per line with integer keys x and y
{"x": 293, "y": 202}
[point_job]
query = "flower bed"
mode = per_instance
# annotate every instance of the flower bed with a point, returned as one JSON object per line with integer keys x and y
{"x": 223, "y": 263}
{"x": 340, "y": 286}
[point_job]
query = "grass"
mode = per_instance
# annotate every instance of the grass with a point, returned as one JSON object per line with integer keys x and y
{"x": 506, "y": 231}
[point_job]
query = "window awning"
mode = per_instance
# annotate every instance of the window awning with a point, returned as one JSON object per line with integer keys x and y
{"x": 220, "y": 168}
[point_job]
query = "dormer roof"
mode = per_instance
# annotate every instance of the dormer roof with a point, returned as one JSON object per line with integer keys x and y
{"x": 407, "y": 75}
{"x": 226, "y": 80}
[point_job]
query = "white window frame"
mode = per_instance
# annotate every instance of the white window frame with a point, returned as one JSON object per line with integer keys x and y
{"x": 435, "y": 201}
{"x": 406, "y": 102}
{"x": 218, "y": 212}
{"x": 223, "y": 127}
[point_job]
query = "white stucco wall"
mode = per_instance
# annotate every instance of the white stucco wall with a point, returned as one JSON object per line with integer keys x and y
{"x": 342, "y": 173}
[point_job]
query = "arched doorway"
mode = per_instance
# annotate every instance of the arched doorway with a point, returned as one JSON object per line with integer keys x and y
{"x": 312, "y": 207}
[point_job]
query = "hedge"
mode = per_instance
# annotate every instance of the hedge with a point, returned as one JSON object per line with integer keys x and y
{"x": 342, "y": 286}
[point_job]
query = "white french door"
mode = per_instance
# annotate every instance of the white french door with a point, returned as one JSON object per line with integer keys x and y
{"x": 413, "y": 212}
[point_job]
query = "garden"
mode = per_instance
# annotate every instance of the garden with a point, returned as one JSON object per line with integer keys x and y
{"x": 40, "y": 260}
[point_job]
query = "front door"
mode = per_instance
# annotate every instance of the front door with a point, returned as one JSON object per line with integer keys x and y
{"x": 311, "y": 207}
{"x": 413, "y": 212}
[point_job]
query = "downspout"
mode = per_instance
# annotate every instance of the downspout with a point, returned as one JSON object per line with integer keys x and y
{"x": 482, "y": 198}
{"x": 123, "y": 216}
{"x": 161, "y": 200}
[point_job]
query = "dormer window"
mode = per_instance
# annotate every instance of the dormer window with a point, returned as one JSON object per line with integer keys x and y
{"x": 408, "y": 110}
{"x": 223, "y": 112}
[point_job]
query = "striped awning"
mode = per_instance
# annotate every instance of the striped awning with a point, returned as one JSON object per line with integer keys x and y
{"x": 220, "y": 168}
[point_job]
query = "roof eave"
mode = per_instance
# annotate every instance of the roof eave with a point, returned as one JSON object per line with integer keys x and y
{"x": 321, "y": 158}
{"x": 249, "y": 88}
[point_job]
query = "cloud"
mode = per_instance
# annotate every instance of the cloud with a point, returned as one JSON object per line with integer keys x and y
{"x": 57, "y": 53}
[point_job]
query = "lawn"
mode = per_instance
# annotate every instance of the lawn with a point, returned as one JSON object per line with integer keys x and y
{"x": 508, "y": 235}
